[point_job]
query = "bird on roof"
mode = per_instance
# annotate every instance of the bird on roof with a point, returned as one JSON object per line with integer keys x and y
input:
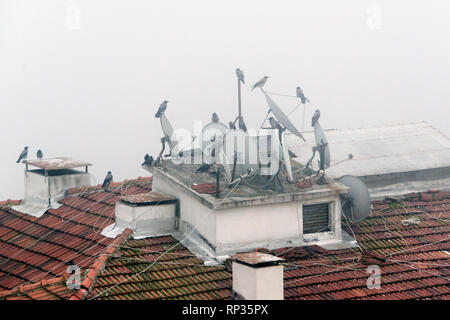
{"x": 23, "y": 155}
{"x": 39, "y": 154}
{"x": 232, "y": 125}
{"x": 301, "y": 95}
{"x": 275, "y": 124}
{"x": 162, "y": 108}
{"x": 108, "y": 180}
{"x": 240, "y": 75}
{"x": 260, "y": 83}
{"x": 203, "y": 168}
{"x": 148, "y": 160}
{"x": 215, "y": 118}
{"x": 315, "y": 117}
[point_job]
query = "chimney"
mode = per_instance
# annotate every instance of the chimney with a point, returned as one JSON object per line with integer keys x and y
{"x": 46, "y": 185}
{"x": 257, "y": 276}
{"x": 147, "y": 214}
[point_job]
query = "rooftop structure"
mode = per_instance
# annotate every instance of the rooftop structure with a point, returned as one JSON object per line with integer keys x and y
{"x": 390, "y": 160}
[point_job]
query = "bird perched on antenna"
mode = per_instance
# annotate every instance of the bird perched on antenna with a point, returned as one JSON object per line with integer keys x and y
{"x": 301, "y": 95}
{"x": 39, "y": 154}
{"x": 315, "y": 117}
{"x": 23, "y": 155}
{"x": 215, "y": 118}
{"x": 108, "y": 180}
{"x": 260, "y": 83}
{"x": 240, "y": 75}
{"x": 162, "y": 108}
{"x": 232, "y": 125}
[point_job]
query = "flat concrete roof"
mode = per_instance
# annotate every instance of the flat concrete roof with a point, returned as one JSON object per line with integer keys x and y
{"x": 148, "y": 198}
{"x": 256, "y": 259}
{"x": 57, "y": 163}
{"x": 247, "y": 193}
{"x": 382, "y": 150}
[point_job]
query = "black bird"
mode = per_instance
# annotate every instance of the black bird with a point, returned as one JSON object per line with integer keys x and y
{"x": 301, "y": 95}
{"x": 315, "y": 118}
{"x": 203, "y": 168}
{"x": 161, "y": 109}
{"x": 232, "y": 125}
{"x": 148, "y": 160}
{"x": 39, "y": 154}
{"x": 215, "y": 118}
{"x": 108, "y": 180}
{"x": 23, "y": 155}
{"x": 274, "y": 124}
{"x": 240, "y": 75}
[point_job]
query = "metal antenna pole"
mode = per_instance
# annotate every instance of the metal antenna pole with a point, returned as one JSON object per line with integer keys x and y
{"x": 303, "y": 121}
{"x": 239, "y": 101}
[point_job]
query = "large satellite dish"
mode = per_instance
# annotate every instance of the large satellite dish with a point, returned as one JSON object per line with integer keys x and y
{"x": 282, "y": 118}
{"x": 169, "y": 134}
{"x": 322, "y": 139}
{"x": 356, "y": 204}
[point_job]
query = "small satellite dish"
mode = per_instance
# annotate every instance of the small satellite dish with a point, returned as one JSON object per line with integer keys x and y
{"x": 320, "y": 139}
{"x": 282, "y": 118}
{"x": 210, "y": 135}
{"x": 356, "y": 203}
{"x": 240, "y": 152}
{"x": 169, "y": 134}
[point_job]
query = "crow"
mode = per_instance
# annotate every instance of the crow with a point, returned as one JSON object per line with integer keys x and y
{"x": 162, "y": 108}
{"x": 215, "y": 118}
{"x": 260, "y": 83}
{"x": 23, "y": 155}
{"x": 148, "y": 160}
{"x": 108, "y": 180}
{"x": 315, "y": 118}
{"x": 232, "y": 125}
{"x": 39, "y": 154}
{"x": 203, "y": 168}
{"x": 301, "y": 95}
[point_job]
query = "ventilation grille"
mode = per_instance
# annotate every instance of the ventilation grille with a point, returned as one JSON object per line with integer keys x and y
{"x": 316, "y": 218}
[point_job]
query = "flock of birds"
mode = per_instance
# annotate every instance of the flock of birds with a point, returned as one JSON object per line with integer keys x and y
{"x": 148, "y": 160}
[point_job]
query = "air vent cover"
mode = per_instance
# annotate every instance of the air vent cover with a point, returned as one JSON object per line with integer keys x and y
{"x": 316, "y": 218}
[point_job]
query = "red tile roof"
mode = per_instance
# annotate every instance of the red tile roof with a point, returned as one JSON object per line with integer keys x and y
{"x": 34, "y": 249}
{"x": 175, "y": 275}
{"x": 413, "y": 254}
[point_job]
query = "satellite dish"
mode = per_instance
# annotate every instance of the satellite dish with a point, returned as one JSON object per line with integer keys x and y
{"x": 321, "y": 139}
{"x": 169, "y": 134}
{"x": 287, "y": 160}
{"x": 210, "y": 135}
{"x": 282, "y": 118}
{"x": 356, "y": 204}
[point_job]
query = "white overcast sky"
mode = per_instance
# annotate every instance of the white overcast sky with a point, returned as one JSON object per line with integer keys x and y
{"x": 83, "y": 78}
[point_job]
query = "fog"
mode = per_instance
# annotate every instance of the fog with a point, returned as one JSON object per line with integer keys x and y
{"x": 84, "y": 78}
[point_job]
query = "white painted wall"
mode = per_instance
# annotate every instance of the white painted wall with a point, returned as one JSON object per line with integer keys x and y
{"x": 263, "y": 283}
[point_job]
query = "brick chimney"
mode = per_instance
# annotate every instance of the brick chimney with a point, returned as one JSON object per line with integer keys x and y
{"x": 257, "y": 276}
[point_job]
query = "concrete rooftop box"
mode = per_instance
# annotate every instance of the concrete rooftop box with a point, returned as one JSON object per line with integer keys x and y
{"x": 251, "y": 218}
{"x": 46, "y": 184}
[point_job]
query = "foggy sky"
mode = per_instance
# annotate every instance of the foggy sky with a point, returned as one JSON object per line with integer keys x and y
{"x": 88, "y": 88}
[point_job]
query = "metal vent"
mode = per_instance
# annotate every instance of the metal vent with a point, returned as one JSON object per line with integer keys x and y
{"x": 316, "y": 218}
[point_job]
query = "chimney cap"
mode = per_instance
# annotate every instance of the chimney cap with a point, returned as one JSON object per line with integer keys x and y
{"x": 148, "y": 198}
{"x": 256, "y": 259}
{"x": 57, "y": 163}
